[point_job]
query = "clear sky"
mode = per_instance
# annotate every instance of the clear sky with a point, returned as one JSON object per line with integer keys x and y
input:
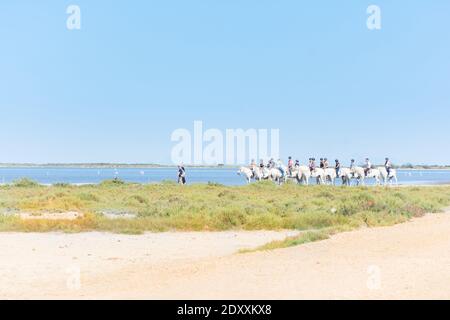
{"x": 137, "y": 70}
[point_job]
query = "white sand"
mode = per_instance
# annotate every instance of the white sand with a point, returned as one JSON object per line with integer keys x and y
{"x": 410, "y": 261}
{"x": 46, "y": 265}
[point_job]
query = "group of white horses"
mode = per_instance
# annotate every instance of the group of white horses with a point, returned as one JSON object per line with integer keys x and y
{"x": 303, "y": 174}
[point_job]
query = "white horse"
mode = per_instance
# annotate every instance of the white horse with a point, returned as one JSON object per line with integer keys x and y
{"x": 359, "y": 174}
{"x": 388, "y": 179}
{"x": 302, "y": 174}
{"x": 330, "y": 175}
{"x": 319, "y": 174}
{"x": 261, "y": 173}
{"x": 346, "y": 175}
{"x": 276, "y": 175}
{"x": 247, "y": 173}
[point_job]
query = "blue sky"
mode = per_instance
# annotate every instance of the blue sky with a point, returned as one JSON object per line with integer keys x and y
{"x": 137, "y": 70}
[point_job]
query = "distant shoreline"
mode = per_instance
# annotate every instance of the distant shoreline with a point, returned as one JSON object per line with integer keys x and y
{"x": 108, "y": 166}
{"x": 156, "y": 166}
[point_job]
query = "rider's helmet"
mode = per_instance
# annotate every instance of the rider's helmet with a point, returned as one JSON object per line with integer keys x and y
{"x": 353, "y": 160}
{"x": 387, "y": 159}
{"x": 336, "y": 160}
{"x": 321, "y": 159}
{"x": 290, "y": 158}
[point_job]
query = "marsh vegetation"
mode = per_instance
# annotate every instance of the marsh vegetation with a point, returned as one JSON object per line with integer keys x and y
{"x": 137, "y": 208}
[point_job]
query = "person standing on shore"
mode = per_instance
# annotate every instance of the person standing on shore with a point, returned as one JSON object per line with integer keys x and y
{"x": 368, "y": 167}
{"x": 181, "y": 174}
{"x": 388, "y": 166}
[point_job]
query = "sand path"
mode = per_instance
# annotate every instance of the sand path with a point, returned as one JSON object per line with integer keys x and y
{"x": 410, "y": 261}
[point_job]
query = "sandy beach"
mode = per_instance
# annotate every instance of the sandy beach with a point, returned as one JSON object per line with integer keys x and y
{"x": 406, "y": 261}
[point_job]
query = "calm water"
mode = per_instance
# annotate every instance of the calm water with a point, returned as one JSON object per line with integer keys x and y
{"x": 152, "y": 175}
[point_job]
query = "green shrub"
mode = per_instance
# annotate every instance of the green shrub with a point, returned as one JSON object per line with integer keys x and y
{"x": 25, "y": 183}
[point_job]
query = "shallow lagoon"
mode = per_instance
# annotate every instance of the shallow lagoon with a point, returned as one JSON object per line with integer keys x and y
{"x": 226, "y": 176}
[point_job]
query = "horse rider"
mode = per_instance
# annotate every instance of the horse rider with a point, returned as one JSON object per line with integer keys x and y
{"x": 388, "y": 166}
{"x": 368, "y": 167}
{"x": 352, "y": 167}
{"x": 261, "y": 166}
{"x": 290, "y": 165}
{"x": 253, "y": 166}
{"x": 271, "y": 164}
{"x": 312, "y": 164}
{"x": 280, "y": 167}
{"x": 325, "y": 163}
{"x": 337, "y": 167}
{"x": 181, "y": 174}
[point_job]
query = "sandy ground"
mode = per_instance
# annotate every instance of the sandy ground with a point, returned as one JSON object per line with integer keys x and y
{"x": 407, "y": 261}
{"x": 58, "y": 265}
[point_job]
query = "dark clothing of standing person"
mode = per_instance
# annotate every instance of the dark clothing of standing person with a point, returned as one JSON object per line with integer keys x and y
{"x": 181, "y": 175}
{"x": 388, "y": 166}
